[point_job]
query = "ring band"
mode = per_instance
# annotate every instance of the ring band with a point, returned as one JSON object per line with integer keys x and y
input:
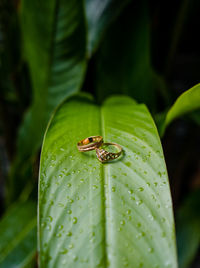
{"x": 105, "y": 156}
{"x": 90, "y": 143}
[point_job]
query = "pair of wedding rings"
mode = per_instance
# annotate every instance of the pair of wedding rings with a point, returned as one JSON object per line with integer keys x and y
{"x": 96, "y": 143}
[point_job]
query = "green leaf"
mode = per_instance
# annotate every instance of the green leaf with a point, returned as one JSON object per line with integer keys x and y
{"x": 18, "y": 236}
{"x": 188, "y": 229}
{"x": 55, "y": 48}
{"x": 104, "y": 215}
{"x": 186, "y": 102}
{"x": 99, "y": 15}
{"x": 123, "y": 63}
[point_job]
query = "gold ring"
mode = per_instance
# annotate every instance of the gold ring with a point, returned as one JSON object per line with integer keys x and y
{"x": 90, "y": 143}
{"x": 105, "y": 156}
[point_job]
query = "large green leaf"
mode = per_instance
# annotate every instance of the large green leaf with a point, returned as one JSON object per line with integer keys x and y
{"x": 117, "y": 214}
{"x": 123, "y": 63}
{"x": 99, "y": 15}
{"x": 18, "y": 236}
{"x": 187, "y": 102}
{"x": 55, "y": 48}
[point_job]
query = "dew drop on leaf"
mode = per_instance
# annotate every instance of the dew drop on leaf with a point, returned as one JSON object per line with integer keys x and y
{"x": 122, "y": 222}
{"x": 69, "y": 233}
{"x": 150, "y": 250}
{"x": 49, "y": 218}
{"x": 60, "y": 227}
{"x": 71, "y": 246}
{"x": 113, "y": 189}
{"x": 74, "y": 220}
{"x": 64, "y": 251}
{"x": 128, "y": 211}
{"x": 58, "y": 235}
{"x": 139, "y": 202}
{"x": 69, "y": 211}
{"x": 140, "y": 189}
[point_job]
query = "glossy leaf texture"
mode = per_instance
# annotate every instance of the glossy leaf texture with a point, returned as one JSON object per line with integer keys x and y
{"x": 186, "y": 102}
{"x": 123, "y": 62}
{"x": 18, "y": 236}
{"x": 55, "y": 48}
{"x": 117, "y": 214}
{"x": 99, "y": 15}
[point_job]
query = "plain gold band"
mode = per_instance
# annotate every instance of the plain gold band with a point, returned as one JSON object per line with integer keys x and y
{"x": 90, "y": 143}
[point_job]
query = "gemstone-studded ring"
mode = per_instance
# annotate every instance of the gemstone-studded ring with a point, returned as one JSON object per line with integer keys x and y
{"x": 105, "y": 156}
{"x": 90, "y": 143}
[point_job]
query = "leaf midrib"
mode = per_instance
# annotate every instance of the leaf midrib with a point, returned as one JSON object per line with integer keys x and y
{"x": 102, "y": 129}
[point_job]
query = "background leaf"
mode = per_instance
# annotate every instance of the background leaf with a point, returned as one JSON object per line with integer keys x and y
{"x": 18, "y": 236}
{"x": 123, "y": 63}
{"x": 99, "y": 15}
{"x": 188, "y": 229}
{"x": 55, "y": 48}
{"x": 187, "y": 102}
{"x": 98, "y": 215}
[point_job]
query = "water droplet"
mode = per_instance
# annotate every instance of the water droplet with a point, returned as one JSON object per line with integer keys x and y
{"x": 148, "y": 184}
{"x": 81, "y": 180}
{"x": 75, "y": 258}
{"x": 69, "y": 233}
{"x": 130, "y": 191}
{"x": 141, "y": 264}
{"x": 74, "y": 220}
{"x": 48, "y": 227}
{"x": 49, "y": 218}
{"x": 128, "y": 211}
{"x": 151, "y": 217}
{"x": 71, "y": 246}
{"x": 69, "y": 185}
{"x": 139, "y": 224}
{"x": 129, "y": 218}
{"x": 113, "y": 189}
{"x": 69, "y": 211}
{"x": 60, "y": 227}
{"x": 163, "y": 219}
{"x": 114, "y": 177}
{"x": 44, "y": 224}
{"x": 139, "y": 202}
{"x": 122, "y": 222}
{"x": 51, "y": 202}
{"x": 139, "y": 235}
{"x": 63, "y": 251}
{"x": 140, "y": 189}
{"x": 58, "y": 235}
{"x": 60, "y": 204}
{"x": 128, "y": 164}
{"x": 155, "y": 184}
{"x": 94, "y": 186}
{"x": 150, "y": 250}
